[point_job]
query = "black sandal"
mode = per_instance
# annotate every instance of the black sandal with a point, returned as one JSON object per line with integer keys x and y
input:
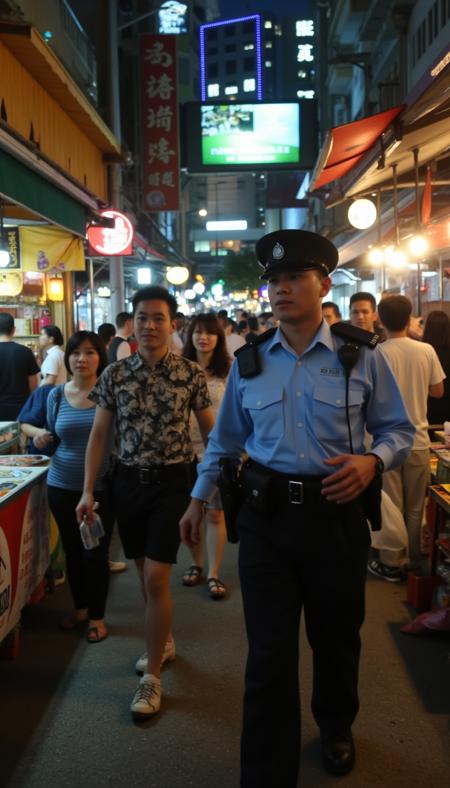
{"x": 192, "y": 576}
{"x": 216, "y": 589}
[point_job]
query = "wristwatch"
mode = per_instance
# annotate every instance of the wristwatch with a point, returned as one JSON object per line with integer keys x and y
{"x": 379, "y": 465}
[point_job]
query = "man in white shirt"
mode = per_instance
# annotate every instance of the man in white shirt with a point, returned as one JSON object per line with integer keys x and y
{"x": 53, "y": 370}
{"x": 419, "y": 374}
{"x": 119, "y": 347}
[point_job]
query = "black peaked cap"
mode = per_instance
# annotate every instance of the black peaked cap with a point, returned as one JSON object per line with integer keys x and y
{"x": 295, "y": 250}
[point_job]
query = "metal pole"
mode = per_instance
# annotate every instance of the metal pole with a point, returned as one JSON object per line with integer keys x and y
{"x": 418, "y": 224}
{"x": 115, "y": 263}
{"x": 91, "y": 287}
{"x": 419, "y": 285}
{"x": 395, "y": 200}
{"x": 138, "y": 19}
{"x": 416, "y": 185}
{"x": 383, "y": 264}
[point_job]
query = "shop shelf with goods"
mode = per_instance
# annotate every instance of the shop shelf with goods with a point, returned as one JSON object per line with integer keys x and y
{"x": 9, "y": 436}
{"x": 29, "y": 319}
{"x": 433, "y": 590}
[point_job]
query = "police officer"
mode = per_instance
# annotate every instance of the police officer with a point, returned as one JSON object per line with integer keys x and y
{"x": 303, "y": 533}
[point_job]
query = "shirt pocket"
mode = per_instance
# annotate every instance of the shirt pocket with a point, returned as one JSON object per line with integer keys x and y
{"x": 329, "y": 413}
{"x": 265, "y": 407}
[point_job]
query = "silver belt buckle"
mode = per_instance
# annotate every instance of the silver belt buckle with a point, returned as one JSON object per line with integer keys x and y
{"x": 144, "y": 475}
{"x": 296, "y": 492}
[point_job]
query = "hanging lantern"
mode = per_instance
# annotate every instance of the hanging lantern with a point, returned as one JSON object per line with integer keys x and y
{"x": 362, "y": 214}
{"x": 55, "y": 288}
{"x": 177, "y": 274}
{"x": 11, "y": 284}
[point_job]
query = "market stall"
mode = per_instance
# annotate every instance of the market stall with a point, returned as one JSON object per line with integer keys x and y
{"x": 9, "y": 436}
{"x": 24, "y": 535}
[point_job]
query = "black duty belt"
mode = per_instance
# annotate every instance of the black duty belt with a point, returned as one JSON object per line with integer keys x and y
{"x": 286, "y": 487}
{"x": 155, "y": 474}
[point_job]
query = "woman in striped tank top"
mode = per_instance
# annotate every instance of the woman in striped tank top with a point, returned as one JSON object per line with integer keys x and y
{"x": 70, "y": 415}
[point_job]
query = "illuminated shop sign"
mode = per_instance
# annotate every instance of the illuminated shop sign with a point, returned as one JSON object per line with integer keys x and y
{"x": 110, "y": 241}
{"x": 172, "y": 18}
{"x": 204, "y": 29}
{"x": 305, "y": 55}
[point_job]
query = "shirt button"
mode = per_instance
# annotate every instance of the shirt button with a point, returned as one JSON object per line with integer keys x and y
{"x": 301, "y": 456}
{"x": 299, "y": 424}
{"x": 338, "y": 401}
{"x": 299, "y": 363}
{"x": 299, "y": 393}
{"x": 259, "y": 402}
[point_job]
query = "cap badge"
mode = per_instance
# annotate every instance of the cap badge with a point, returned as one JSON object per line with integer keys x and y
{"x": 278, "y": 251}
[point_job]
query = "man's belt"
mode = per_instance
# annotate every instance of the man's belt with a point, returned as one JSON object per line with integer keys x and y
{"x": 269, "y": 486}
{"x": 156, "y": 474}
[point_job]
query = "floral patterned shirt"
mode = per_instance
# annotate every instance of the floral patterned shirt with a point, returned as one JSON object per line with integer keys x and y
{"x": 152, "y": 407}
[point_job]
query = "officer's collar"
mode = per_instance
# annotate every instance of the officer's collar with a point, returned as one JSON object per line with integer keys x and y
{"x": 323, "y": 337}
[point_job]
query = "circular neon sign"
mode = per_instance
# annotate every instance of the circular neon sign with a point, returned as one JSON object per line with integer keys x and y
{"x": 110, "y": 241}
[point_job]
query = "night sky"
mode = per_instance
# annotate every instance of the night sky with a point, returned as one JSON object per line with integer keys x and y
{"x": 231, "y": 8}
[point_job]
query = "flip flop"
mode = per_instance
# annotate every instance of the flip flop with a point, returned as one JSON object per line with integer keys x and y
{"x": 93, "y": 636}
{"x": 216, "y": 589}
{"x": 192, "y": 576}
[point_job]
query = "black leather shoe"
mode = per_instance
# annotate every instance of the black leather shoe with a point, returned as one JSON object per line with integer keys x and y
{"x": 338, "y": 753}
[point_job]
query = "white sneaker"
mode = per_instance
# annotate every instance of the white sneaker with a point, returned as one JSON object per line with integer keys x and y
{"x": 147, "y": 700}
{"x": 169, "y": 655}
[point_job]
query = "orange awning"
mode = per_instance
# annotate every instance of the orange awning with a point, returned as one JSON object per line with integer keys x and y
{"x": 345, "y": 145}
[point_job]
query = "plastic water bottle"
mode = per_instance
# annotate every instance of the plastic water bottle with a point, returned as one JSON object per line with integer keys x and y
{"x": 89, "y": 533}
{"x": 97, "y": 527}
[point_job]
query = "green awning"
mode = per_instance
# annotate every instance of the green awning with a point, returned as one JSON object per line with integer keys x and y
{"x": 23, "y": 185}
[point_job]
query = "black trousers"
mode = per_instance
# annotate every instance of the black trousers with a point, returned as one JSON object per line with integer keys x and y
{"x": 87, "y": 570}
{"x": 311, "y": 556}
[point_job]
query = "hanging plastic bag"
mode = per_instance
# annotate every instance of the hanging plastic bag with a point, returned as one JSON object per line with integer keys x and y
{"x": 393, "y": 536}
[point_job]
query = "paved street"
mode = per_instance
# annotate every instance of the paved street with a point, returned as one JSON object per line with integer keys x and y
{"x": 64, "y": 704}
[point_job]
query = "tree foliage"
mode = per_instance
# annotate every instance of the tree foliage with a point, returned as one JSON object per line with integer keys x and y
{"x": 241, "y": 272}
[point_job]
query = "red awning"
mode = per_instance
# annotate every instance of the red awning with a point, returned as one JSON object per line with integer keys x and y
{"x": 345, "y": 145}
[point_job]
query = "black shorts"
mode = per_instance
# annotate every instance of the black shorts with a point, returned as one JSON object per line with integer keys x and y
{"x": 148, "y": 512}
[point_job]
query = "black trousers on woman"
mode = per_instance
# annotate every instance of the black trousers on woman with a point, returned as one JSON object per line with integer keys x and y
{"x": 87, "y": 570}
{"x": 311, "y": 557}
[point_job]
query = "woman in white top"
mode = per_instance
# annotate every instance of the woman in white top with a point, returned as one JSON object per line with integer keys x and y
{"x": 205, "y": 343}
{"x": 53, "y": 370}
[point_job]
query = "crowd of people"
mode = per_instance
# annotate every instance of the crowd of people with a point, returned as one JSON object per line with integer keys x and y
{"x": 136, "y": 418}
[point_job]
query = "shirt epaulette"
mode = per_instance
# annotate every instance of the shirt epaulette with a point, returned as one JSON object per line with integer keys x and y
{"x": 354, "y": 334}
{"x": 258, "y": 341}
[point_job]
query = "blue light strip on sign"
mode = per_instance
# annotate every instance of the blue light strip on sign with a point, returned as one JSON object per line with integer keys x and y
{"x": 254, "y": 17}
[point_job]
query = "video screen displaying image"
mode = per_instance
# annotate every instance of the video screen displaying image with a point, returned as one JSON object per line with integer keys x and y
{"x": 250, "y": 134}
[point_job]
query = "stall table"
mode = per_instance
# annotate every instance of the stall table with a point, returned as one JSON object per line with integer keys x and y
{"x": 24, "y": 536}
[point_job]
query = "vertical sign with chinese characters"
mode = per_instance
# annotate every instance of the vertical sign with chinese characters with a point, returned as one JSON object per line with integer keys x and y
{"x": 304, "y": 31}
{"x": 161, "y": 175}
{"x": 10, "y": 241}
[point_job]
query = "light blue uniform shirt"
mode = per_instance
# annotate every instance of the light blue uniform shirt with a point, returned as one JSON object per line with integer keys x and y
{"x": 291, "y": 417}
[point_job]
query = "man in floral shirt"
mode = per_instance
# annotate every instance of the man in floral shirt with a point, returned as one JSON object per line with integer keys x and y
{"x": 149, "y": 397}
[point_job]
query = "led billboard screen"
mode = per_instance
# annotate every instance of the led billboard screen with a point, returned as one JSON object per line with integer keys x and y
{"x": 250, "y": 134}
{"x": 241, "y": 136}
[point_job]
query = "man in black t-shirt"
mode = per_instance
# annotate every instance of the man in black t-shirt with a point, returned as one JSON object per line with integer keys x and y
{"x": 19, "y": 371}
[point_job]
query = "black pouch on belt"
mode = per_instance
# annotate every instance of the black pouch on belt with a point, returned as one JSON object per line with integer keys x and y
{"x": 371, "y": 500}
{"x": 255, "y": 482}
